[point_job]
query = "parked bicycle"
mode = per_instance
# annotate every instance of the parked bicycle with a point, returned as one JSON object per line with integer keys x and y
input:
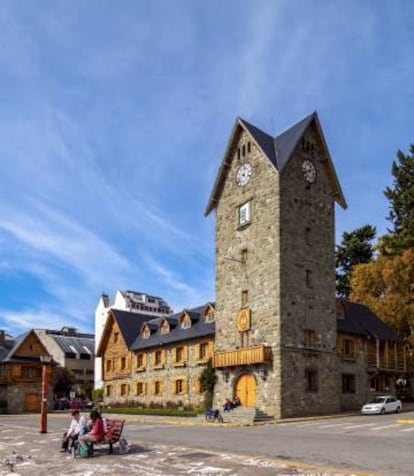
{"x": 213, "y": 416}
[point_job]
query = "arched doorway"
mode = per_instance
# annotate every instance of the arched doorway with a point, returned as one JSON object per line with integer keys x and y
{"x": 246, "y": 390}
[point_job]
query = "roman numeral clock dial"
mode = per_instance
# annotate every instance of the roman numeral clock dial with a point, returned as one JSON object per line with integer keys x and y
{"x": 309, "y": 171}
{"x": 243, "y": 174}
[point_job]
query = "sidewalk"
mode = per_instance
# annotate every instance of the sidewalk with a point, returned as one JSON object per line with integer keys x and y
{"x": 37, "y": 454}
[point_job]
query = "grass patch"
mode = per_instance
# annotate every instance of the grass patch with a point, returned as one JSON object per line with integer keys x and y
{"x": 173, "y": 412}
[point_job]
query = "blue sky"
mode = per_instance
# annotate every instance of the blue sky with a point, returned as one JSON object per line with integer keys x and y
{"x": 114, "y": 117}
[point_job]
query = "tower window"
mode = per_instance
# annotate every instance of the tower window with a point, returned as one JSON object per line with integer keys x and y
{"x": 245, "y": 213}
{"x": 243, "y": 150}
{"x": 244, "y": 255}
{"x": 249, "y": 148}
{"x": 309, "y": 337}
{"x": 238, "y": 153}
{"x": 311, "y": 379}
{"x": 244, "y": 298}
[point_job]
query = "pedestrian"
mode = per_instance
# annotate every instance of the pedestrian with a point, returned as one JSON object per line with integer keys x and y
{"x": 96, "y": 435}
{"x": 77, "y": 427}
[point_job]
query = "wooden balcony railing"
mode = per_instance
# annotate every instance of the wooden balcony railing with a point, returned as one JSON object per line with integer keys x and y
{"x": 247, "y": 356}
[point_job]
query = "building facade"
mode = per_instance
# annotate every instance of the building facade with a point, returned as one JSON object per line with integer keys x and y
{"x": 21, "y": 373}
{"x": 156, "y": 361}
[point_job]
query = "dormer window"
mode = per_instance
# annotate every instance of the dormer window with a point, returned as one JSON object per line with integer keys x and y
{"x": 185, "y": 322}
{"x": 209, "y": 315}
{"x": 165, "y": 327}
{"x": 146, "y": 333}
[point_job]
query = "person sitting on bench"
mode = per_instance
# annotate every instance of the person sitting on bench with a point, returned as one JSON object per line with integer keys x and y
{"x": 97, "y": 433}
{"x": 77, "y": 428}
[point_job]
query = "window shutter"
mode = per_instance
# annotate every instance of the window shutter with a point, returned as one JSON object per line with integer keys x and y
{"x": 164, "y": 356}
{"x": 153, "y": 358}
{"x": 185, "y": 385}
{"x": 185, "y": 353}
{"x": 196, "y": 385}
{"x": 144, "y": 388}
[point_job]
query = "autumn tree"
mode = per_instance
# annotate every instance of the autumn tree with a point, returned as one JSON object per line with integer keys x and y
{"x": 401, "y": 198}
{"x": 386, "y": 285}
{"x": 355, "y": 248}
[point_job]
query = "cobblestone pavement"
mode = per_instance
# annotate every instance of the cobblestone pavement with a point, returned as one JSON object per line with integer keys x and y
{"x": 38, "y": 454}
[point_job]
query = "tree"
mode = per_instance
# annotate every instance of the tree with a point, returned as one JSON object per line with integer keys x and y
{"x": 63, "y": 381}
{"x": 386, "y": 285}
{"x": 208, "y": 380}
{"x": 401, "y": 197}
{"x": 354, "y": 249}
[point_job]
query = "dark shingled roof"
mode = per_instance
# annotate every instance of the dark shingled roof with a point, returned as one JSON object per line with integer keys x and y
{"x": 199, "y": 328}
{"x": 130, "y": 324}
{"x": 264, "y": 141}
{"x": 360, "y": 320}
{"x": 75, "y": 344}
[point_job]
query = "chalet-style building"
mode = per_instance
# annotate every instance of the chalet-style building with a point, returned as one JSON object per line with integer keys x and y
{"x": 280, "y": 340}
{"x": 21, "y": 373}
{"x": 155, "y": 361}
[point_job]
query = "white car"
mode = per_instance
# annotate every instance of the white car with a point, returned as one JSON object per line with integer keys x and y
{"x": 382, "y": 404}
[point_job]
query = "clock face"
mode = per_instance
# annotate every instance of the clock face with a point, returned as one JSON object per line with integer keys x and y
{"x": 243, "y": 174}
{"x": 309, "y": 170}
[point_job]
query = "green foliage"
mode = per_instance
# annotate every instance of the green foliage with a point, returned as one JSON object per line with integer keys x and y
{"x": 151, "y": 411}
{"x": 63, "y": 381}
{"x": 355, "y": 248}
{"x": 86, "y": 390}
{"x": 97, "y": 394}
{"x": 208, "y": 379}
{"x": 401, "y": 197}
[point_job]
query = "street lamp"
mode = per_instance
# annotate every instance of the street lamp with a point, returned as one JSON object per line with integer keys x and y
{"x": 45, "y": 359}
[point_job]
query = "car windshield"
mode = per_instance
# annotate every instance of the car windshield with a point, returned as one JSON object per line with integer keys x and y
{"x": 377, "y": 400}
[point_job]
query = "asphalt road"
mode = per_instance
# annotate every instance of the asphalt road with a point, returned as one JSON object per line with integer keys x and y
{"x": 376, "y": 444}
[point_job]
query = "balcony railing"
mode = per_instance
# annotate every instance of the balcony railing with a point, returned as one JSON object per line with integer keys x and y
{"x": 247, "y": 356}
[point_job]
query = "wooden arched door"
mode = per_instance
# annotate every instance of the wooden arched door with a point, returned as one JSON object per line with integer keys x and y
{"x": 246, "y": 390}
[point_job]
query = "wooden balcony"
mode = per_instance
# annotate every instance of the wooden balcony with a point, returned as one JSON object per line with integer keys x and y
{"x": 250, "y": 355}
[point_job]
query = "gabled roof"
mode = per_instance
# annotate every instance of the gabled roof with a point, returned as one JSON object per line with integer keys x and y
{"x": 14, "y": 345}
{"x": 278, "y": 150}
{"x": 359, "y": 319}
{"x": 75, "y": 344}
{"x": 199, "y": 328}
{"x": 129, "y": 324}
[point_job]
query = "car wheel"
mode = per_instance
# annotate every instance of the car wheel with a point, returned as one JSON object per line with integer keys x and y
{"x": 382, "y": 411}
{"x": 398, "y": 410}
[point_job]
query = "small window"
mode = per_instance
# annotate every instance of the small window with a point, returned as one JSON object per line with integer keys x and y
{"x": 108, "y": 390}
{"x": 244, "y": 340}
{"x": 140, "y": 360}
{"x": 179, "y": 386}
{"x": 348, "y": 383}
{"x": 309, "y": 337}
{"x": 124, "y": 389}
{"x": 243, "y": 150}
{"x": 249, "y": 148}
{"x": 146, "y": 333}
{"x": 348, "y": 348}
{"x": 140, "y": 388}
{"x": 203, "y": 353}
{"x": 210, "y": 316}
{"x": 185, "y": 322}
{"x": 179, "y": 354}
{"x": 116, "y": 337}
{"x": 244, "y": 298}
{"x": 158, "y": 357}
{"x": 123, "y": 363}
{"x": 108, "y": 365}
{"x": 245, "y": 213}
{"x": 157, "y": 388}
{"x": 244, "y": 255}
{"x": 311, "y": 380}
{"x": 238, "y": 153}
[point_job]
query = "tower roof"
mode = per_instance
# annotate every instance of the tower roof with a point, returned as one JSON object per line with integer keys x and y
{"x": 278, "y": 150}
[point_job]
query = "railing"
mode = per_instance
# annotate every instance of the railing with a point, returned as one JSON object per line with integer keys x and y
{"x": 245, "y": 356}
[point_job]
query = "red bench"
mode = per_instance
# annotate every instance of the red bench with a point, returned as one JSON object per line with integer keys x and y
{"x": 113, "y": 432}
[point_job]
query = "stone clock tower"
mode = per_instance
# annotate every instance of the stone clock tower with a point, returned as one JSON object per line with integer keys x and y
{"x": 275, "y": 270}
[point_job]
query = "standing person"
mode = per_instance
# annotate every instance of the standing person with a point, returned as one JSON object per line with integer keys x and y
{"x": 97, "y": 433}
{"x": 77, "y": 428}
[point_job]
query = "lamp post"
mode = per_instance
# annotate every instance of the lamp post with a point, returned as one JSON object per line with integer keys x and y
{"x": 45, "y": 359}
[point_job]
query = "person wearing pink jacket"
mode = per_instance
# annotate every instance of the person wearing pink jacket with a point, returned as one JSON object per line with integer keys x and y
{"x": 97, "y": 433}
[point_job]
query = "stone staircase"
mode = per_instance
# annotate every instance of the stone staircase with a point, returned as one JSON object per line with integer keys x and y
{"x": 244, "y": 415}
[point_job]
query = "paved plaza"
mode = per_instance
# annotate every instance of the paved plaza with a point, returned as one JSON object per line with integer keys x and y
{"x": 26, "y": 452}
